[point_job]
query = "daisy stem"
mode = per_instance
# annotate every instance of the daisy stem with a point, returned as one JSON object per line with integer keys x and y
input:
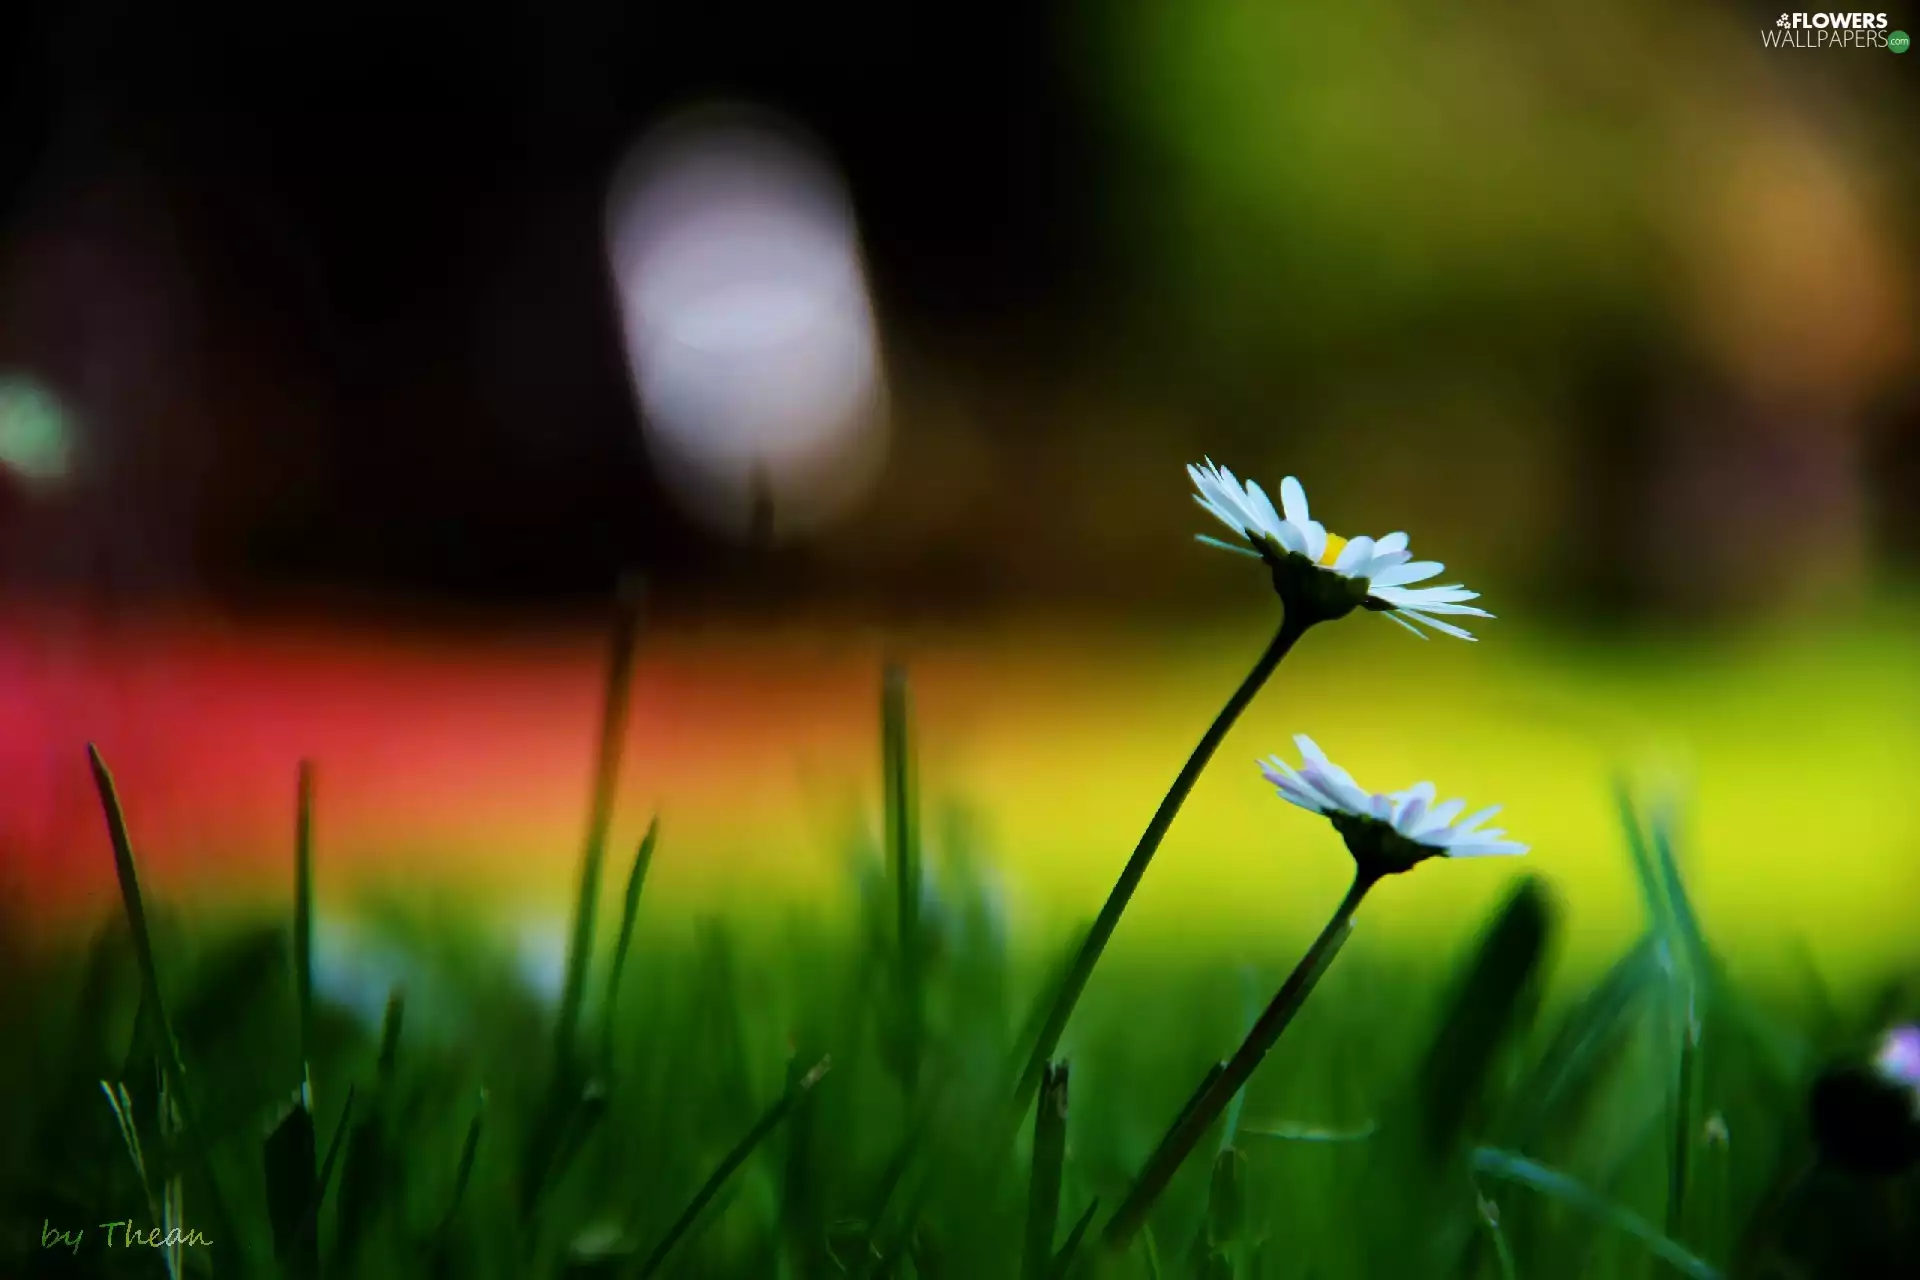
{"x": 1199, "y": 1115}
{"x": 1104, "y": 924}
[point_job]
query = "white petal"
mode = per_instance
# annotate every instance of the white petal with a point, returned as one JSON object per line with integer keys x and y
{"x": 1492, "y": 849}
{"x": 1226, "y": 546}
{"x": 1226, "y": 515}
{"x": 1436, "y": 595}
{"x": 1316, "y": 536}
{"x": 1290, "y": 785}
{"x": 1219, "y": 490}
{"x": 1309, "y": 749}
{"x": 1291, "y": 538}
{"x": 1407, "y": 821}
{"x": 1356, "y": 555}
{"x": 1474, "y": 820}
{"x": 1436, "y": 624}
{"x": 1401, "y": 598}
{"x": 1337, "y": 785}
{"x": 1323, "y": 788}
{"x": 1444, "y": 813}
{"x": 1396, "y": 618}
{"x": 1278, "y": 770}
{"x": 1401, "y": 574}
{"x": 1293, "y": 500}
{"x": 1384, "y": 560}
{"x": 1298, "y": 794}
{"x": 1413, "y": 802}
{"x": 1392, "y": 544}
{"x": 1383, "y": 808}
{"x": 1456, "y": 610}
{"x": 1261, "y": 508}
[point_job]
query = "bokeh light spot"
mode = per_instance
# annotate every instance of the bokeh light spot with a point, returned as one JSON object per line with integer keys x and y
{"x": 748, "y": 325}
{"x": 36, "y": 435}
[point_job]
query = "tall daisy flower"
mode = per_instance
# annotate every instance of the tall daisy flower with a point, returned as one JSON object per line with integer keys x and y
{"x": 1324, "y": 575}
{"x": 1387, "y": 831}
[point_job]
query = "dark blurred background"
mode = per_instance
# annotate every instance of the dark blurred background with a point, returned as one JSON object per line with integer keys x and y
{"x": 1618, "y": 309}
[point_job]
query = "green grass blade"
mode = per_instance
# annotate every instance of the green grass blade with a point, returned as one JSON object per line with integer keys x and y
{"x": 903, "y": 857}
{"x": 1685, "y": 1108}
{"x": 551, "y": 1125}
{"x": 590, "y": 1110}
{"x": 1310, "y": 1133}
{"x": 606, "y": 780}
{"x": 1043, "y": 1187}
{"x": 463, "y": 1169}
{"x": 123, "y": 1118}
{"x": 803, "y": 1218}
{"x": 369, "y": 1178}
{"x": 1693, "y": 973}
{"x": 1568, "y": 1191}
{"x": 1250, "y": 1014}
{"x": 1652, "y": 886}
{"x": 324, "y": 1178}
{"x": 1502, "y": 1250}
{"x": 390, "y": 1023}
{"x": 884, "y": 1245}
{"x": 1063, "y": 1261}
{"x": 289, "y": 1159}
{"x": 1589, "y": 1038}
{"x": 1227, "y": 1199}
{"x": 303, "y": 909}
{"x": 1150, "y": 1253}
{"x": 734, "y": 1158}
{"x": 1055, "y": 976}
{"x": 629, "y": 913}
{"x": 1685, "y": 921}
{"x": 1490, "y": 1005}
{"x": 229, "y": 1253}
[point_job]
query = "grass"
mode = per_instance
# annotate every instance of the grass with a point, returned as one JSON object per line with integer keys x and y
{"x": 799, "y": 1100}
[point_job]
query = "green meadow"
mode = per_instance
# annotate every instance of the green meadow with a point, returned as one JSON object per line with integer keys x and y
{"x": 786, "y": 1092}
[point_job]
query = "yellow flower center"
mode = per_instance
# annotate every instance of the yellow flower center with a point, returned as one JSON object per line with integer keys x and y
{"x": 1334, "y": 543}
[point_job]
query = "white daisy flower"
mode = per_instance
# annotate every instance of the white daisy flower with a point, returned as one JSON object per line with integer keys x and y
{"x": 1390, "y": 831}
{"x": 1377, "y": 573}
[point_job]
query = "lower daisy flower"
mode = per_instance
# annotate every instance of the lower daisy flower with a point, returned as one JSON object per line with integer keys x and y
{"x": 1387, "y": 832}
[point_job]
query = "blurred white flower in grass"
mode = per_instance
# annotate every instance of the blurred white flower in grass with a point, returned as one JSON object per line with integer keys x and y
{"x": 355, "y": 970}
{"x": 1899, "y": 1059}
{"x": 1387, "y": 832}
{"x": 540, "y": 957}
{"x": 1323, "y": 573}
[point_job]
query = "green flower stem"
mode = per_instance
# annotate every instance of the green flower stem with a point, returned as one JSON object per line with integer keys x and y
{"x": 1203, "y": 1111}
{"x": 1103, "y": 926}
